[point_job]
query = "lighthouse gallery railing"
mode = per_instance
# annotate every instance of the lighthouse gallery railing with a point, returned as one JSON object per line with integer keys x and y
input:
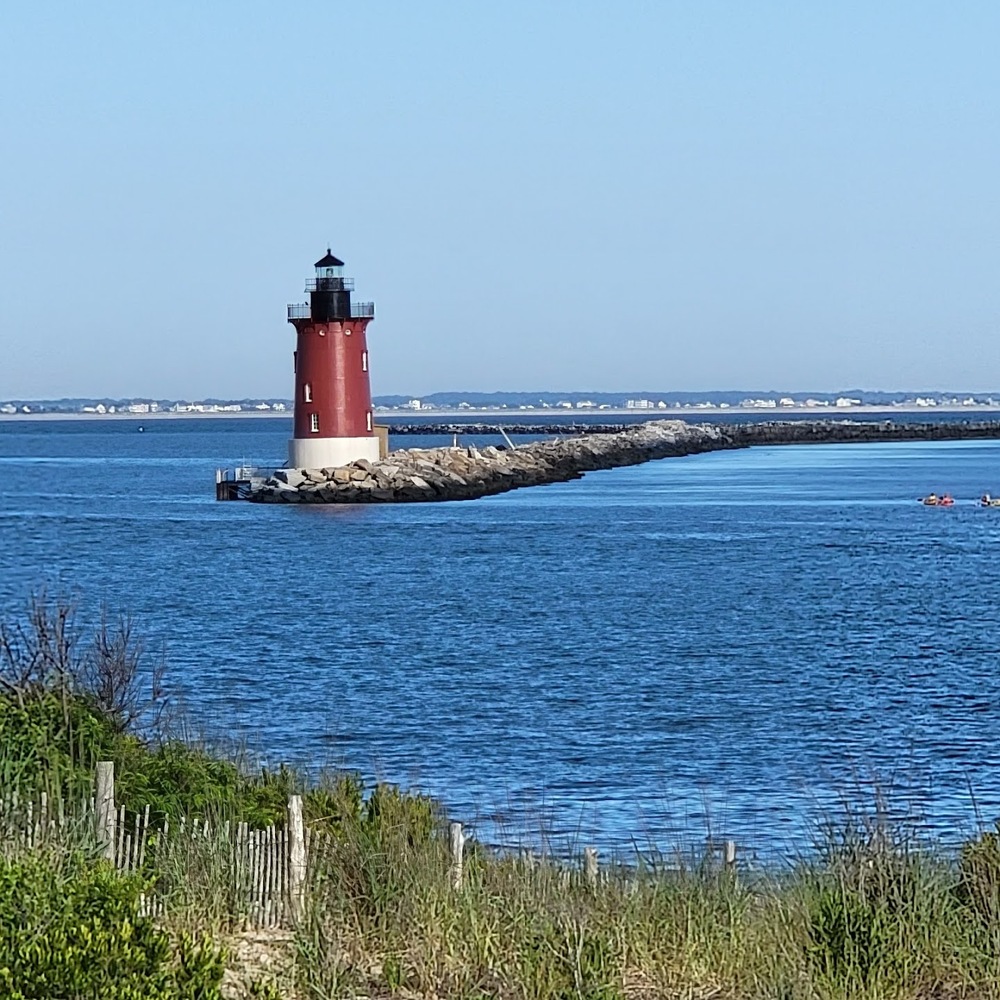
{"x": 330, "y": 284}
{"x": 359, "y": 310}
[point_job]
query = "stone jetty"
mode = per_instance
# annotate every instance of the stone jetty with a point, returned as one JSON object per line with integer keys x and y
{"x": 467, "y": 473}
{"x": 772, "y": 432}
{"x": 573, "y": 427}
{"x": 460, "y": 473}
{"x": 828, "y": 431}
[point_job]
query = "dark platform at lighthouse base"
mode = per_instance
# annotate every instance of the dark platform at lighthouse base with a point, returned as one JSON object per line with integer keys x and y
{"x": 239, "y": 483}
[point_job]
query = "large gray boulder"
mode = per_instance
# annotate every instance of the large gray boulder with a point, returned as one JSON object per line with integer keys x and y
{"x": 290, "y": 476}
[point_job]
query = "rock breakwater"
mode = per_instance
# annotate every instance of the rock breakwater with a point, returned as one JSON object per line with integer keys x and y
{"x": 460, "y": 473}
{"x": 467, "y": 473}
{"x": 859, "y": 431}
{"x": 548, "y": 427}
{"x": 839, "y": 431}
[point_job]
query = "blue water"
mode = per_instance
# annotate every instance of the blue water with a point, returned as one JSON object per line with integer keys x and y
{"x": 727, "y": 641}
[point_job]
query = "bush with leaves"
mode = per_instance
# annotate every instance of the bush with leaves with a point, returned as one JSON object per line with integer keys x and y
{"x": 70, "y": 927}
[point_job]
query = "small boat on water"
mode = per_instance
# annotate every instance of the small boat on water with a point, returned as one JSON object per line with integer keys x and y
{"x": 989, "y": 501}
{"x": 933, "y": 500}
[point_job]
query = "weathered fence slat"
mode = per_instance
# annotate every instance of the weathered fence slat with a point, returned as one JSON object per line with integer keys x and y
{"x": 457, "y": 842}
{"x": 120, "y": 829}
{"x": 729, "y": 855}
{"x": 105, "y": 807}
{"x": 296, "y": 856}
{"x": 258, "y": 843}
{"x": 268, "y": 874}
{"x": 590, "y": 866}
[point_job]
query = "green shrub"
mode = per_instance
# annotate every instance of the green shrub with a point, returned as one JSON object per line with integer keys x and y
{"x": 175, "y": 779}
{"x": 883, "y": 917}
{"x": 849, "y": 940}
{"x": 979, "y": 876}
{"x": 559, "y": 955}
{"x": 403, "y": 819}
{"x": 70, "y": 927}
{"x": 392, "y": 842}
{"x": 335, "y": 804}
{"x": 52, "y": 741}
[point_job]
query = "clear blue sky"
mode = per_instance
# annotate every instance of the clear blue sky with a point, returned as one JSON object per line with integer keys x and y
{"x": 537, "y": 195}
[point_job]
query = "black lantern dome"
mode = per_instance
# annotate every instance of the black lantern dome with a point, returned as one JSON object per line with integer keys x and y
{"x": 330, "y": 291}
{"x": 328, "y": 261}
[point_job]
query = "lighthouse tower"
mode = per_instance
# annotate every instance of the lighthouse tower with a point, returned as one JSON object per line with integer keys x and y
{"x": 333, "y": 400}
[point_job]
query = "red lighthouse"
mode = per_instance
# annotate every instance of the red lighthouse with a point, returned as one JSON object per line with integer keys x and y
{"x": 333, "y": 400}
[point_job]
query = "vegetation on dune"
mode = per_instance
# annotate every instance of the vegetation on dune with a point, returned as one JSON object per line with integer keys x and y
{"x": 69, "y": 927}
{"x": 873, "y": 914}
{"x": 874, "y": 918}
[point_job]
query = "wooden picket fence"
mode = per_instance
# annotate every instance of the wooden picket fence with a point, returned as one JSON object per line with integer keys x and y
{"x": 266, "y": 868}
{"x": 265, "y": 871}
{"x": 259, "y": 863}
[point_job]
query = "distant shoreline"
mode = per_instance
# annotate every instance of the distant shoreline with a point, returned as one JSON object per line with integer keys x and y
{"x": 143, "y": 417}
{"x": 562, "y": 414}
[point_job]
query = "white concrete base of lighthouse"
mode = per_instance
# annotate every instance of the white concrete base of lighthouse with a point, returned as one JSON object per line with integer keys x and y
{"x": 330, "y": 453}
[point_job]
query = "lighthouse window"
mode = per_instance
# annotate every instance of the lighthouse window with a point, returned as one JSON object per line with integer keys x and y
{"x": 307, "y": 393}
{"x": 295, "y": 361}
{"x": 364, "y": 361}
{"x": 369, "y": 420}
{"x": 314, "y": 422}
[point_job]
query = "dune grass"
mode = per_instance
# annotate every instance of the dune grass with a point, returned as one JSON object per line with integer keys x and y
{"x": 874, "y": 917}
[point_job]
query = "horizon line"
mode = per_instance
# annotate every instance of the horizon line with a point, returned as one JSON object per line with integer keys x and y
{"x": 632, "y": 393}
